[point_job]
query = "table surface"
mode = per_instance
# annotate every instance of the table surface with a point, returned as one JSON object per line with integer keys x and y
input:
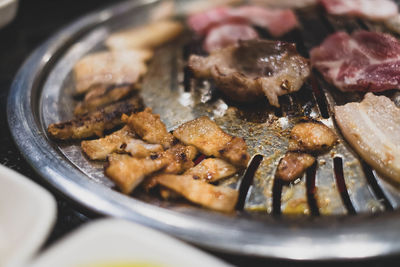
{"x": 35, "y": 22}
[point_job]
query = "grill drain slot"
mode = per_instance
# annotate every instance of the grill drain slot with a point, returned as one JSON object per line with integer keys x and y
{"x": 311, "y": 189}
{"x": 247, "y": 180}
{"x": 338, "y": 168}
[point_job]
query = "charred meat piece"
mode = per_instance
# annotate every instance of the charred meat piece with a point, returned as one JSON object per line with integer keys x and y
{"x": 179, "y": 157}
{"x": 150, "y": 128}
{"x": 212, "y": 170}
{"x": 372, "y": 128}
{"x": 293, "y": 165}
{"x": 96, "y": 122}
{"x": 228, "y": 34}
{"x": 110, "y": 68}
{"x": 276, "y": 21}
{"x": 364, "y": 61}
{"x": 210, "y": 140}
{"x": 145, "y": 37}
{"x": 128, "y": 172}
{"x": 102, "y": 96}
{"x": 100, "y": 148}
{"x": 311, "y": 137}
{"x": 200, "y": 192}
{"x": 369, "y": 9}
{"x": 253, "y": 69}
{"x": 284, "y": 3}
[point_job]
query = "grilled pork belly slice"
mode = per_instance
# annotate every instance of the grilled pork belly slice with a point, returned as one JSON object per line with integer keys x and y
{"x": 179, "y": 157}
{"x": 139, "y": 149}
{"x": 293, "y": 165}
{"x": 110, "y": 68}
{"x": 372, "y": 128}
{"x": 102, "y": 96}
{"x": 100, "y": 148}
{"x": 311, "y": 137}
{"x": 197, "y": 191}
{"x": 370, "y": 9}
{"x": 145, "y": 37}
{"x": 364, "y": 61}
{"x": 128, "y": 172}
{"x": 96, "y": 122}
{"x": 150, "y": 128}
{"x": 212, "y": 170}
{"x": 254, "y": 68}
{"x": 210, "y": 140}
{"x": 284, "y": 3}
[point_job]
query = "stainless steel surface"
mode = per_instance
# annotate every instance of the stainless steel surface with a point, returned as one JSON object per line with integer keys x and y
{"x": 41, "y": 94}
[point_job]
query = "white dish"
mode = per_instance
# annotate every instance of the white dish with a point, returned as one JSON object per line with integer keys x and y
{"x": 27, "y": 214}
{"x": 114, "y": 242}
{"x": 8, "y": 10}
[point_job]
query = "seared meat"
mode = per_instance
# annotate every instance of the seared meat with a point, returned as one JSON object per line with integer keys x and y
{"x": 200, "y": 192}
{"x": 212, "y": 170}
{"x": 293, "y": 165}
{"x": 284, "y": 3}
{"x": 102, "y": 96}
{"x": 179, "y": 158}
{"x": 145, "y": 37}
{"x": 254, "y": 68}
{"x": 128, "y": 172}
{"x": 150, "y": 128}
{"x": 99, "y": 149}
{"x": 96, "y": 122}
{"x": 209, "y": 139}
{"x": 311, "y": 137}
{"x": 372, "y": 127}
{"x": 110, "y": 68}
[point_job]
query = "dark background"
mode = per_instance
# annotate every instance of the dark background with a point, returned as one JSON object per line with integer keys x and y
{"x": 36, "y": 21}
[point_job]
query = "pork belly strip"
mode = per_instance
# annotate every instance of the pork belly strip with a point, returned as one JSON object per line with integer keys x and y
{"x": 369, "y": 9}
{"x": 209, "y": 139}
{"x": 128, "y": 172}
{"x": 253, "y": 69}
{"x": 145, "y": 37}
{"x": 372, "y": 128}
{"x": 212, "y": 170}
{"x": 293, "y": 165}
{"x": 179, "y": 157}
{"x": 119, "y": 141}
{"x": 213, "y": 197}
{"x": 110, "y": 68}
{"x": 96, "y": 122}
{"x": 150, "y": 128}
{"x": 364, "y": 61}
{"x": 101, "y": 96}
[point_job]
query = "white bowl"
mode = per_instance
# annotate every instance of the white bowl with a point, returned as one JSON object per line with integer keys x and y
{"x": 8, "y": 9}
{"x": 114, "y": 242}
{"x": 27, "y": 213}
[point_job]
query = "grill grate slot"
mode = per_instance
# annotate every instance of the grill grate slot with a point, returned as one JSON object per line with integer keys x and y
{"x": 338, "y": 167}
{"x": 247, "y": 180}
{"x": 311, "y": 190}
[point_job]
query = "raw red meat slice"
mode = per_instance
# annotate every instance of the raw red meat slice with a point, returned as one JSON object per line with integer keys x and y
{"x": 364, "y": 61}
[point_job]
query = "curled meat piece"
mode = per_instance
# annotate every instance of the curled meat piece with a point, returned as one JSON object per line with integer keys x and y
{"x": 179, "y": 157}
{"x": 110, "y": 68}
{"x": 197, "y": 191}
{"x": 311, "y": 137}
{"x": 293, "y": 165}
{"x": 209, "y": 139}
{"x": 253, "y": 69}
{"x": 96, "y": 122}
{"x": 150, "y": 128}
